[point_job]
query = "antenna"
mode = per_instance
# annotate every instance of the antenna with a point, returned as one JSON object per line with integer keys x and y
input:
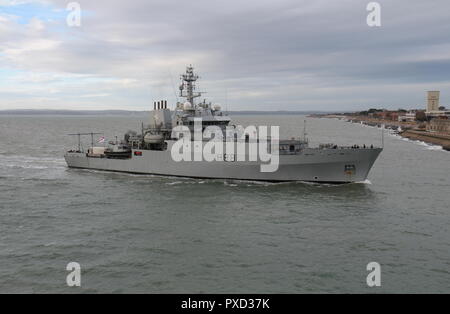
{"x": 304, "y": 130}
{"x": 226, "y": 99}
{"x": 79, "y": 138}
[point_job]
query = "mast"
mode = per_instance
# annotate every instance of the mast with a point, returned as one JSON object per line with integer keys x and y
{"x": 79, "y": 138}
{"x": 304, "y": 131}
{"x": 187, "y": 86}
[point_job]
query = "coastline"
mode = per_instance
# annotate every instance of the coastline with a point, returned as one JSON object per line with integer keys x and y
{"x": 428, "y": 137}
{"x": 408, "y": 129}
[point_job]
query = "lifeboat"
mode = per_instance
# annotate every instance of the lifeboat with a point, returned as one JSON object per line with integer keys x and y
{"x": 153, "y": 138}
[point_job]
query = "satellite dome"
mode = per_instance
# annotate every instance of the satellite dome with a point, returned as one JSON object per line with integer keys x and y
{"x": 217, "y": 107}
{"x": 187, "y": 105}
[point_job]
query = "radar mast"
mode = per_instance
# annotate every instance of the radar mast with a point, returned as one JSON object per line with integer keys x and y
{"x": 187, "y": 86}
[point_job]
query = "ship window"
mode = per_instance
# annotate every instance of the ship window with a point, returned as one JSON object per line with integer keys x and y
{"x": 291, "y": 148}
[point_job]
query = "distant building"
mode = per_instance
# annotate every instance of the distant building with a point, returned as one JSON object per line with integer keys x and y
{"x": 407, "y": 117}
{"x": 433, "y": 101}
{"x": 385, "y": 115}
{"x": 394, "y": 116}
{"x": 433, "y": 106}
{"x": 439, "y": 125}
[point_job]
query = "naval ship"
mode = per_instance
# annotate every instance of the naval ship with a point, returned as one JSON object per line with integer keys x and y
{"x": 150, "y": 150}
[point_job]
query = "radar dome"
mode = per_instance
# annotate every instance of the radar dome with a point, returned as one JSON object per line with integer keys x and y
{"x": 217, "y": 107}
{"x": 187, "y": 105}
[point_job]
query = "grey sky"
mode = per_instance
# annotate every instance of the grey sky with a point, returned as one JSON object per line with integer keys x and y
{"x": 260, "y": 55}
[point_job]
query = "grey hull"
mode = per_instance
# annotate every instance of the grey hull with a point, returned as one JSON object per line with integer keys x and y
{"x": 312, "y": 164}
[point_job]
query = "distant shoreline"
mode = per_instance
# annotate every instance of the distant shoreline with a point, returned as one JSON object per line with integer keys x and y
{"x": 131, "y": 112}
{"x": 409, "y": 129}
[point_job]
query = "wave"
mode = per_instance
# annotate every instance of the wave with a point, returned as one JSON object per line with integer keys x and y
{"x": 174, "y": 183}
{"x": 428, "y": 146}
{"x": 30, "y": 162}
{"x": 30, "y": 159}
{"x": 367, "y": 181}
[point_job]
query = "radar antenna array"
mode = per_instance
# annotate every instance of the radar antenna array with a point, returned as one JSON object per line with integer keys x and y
{"x": 187, "y": 86}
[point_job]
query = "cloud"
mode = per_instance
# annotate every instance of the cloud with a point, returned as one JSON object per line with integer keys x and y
{"x": 289, "y": 54}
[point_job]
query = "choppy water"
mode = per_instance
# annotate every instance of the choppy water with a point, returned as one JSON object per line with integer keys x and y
{"x": 155, "y": 234}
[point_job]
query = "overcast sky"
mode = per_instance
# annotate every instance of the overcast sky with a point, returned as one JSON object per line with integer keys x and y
{"x": 251, "y": 55}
